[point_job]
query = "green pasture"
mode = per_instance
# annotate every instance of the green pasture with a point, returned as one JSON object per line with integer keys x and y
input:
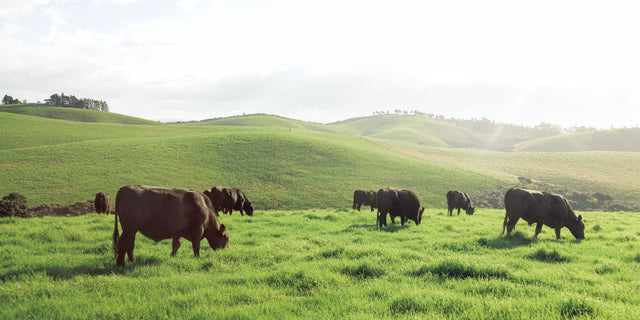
{"x": 275, "y": 169}
{"x": 72, "y": 114}
{"x": 320, "y": 264}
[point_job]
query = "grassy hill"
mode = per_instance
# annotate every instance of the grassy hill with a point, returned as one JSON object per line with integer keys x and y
{"x": 72, "y": 114}
{"x": 276, "y": 168}
{"x": 267, "y": 121}
{"x": 284, "y": 163}
{"x": 602, "y": 140}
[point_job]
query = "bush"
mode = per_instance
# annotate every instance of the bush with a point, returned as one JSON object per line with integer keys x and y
{"x": 14, "y": 205}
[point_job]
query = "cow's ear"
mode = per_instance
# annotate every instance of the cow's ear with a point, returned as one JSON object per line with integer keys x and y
{"x": 580, "y": 218}
{"x": 222, "y": 227}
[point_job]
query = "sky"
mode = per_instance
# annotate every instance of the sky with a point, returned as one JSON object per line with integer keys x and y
{"x": 571, "y": 63}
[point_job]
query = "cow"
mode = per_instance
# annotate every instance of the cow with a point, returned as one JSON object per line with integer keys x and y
{"x": 398, "y": 203}
{"x": 162, "y": 213}
{"x": 102, "y": 203}
{"x": 459, "y": 200}
{"x": 364, "y": 198}
{"x": 240, "y": 202}
{"x": 229, "y": 199}
{"x": 220, "y": 198}
{"x": 538, "y": 207}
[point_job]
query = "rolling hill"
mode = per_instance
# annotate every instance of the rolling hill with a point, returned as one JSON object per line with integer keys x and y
{"x": 602, "y": 140}
{"x": 71, "y": 114}
{"x": 289, "y": 164}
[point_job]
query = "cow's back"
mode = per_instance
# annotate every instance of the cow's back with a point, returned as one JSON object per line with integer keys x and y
{"x": 159, "y": 213}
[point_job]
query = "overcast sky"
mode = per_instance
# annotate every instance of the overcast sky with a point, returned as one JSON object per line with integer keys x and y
{"x": 524, "y": 62}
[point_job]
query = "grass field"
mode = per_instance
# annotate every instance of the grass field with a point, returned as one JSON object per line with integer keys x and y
{"x": 304, "y": 254}
{"x": 319, "y": 264}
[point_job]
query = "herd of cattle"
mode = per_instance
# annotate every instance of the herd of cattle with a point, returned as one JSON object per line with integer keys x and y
{"x": 163, "y": 213}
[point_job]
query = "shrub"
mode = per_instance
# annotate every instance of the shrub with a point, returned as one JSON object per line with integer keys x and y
{"x": 14, "y": 205}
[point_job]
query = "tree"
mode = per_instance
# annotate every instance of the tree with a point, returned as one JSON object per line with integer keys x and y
{"x": 9, "y": 100}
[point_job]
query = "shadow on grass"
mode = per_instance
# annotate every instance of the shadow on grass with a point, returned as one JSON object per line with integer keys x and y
{"x": 394, "y": 228}
{"x": 62, "y": 272}
{"x": 511, "y": 241}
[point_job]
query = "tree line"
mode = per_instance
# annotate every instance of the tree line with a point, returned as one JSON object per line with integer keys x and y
{"x": 68, "y": 101}
{"x": 62, "y": 100}
{"x": 489, "y": 126}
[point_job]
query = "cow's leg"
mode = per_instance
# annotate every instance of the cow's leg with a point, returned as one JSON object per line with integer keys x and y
{"x": 511, "y": 224}
{"x": 371, "y": 208}
{"x": 130, "y": 251}
{"x": 450, "y": 210}
{"x": 359, "y": 206}
{"x": 196, "y": 248}
{"x": 241, "y": 212}
{"x": 125, "y": 246}
{"x": 458, "y": 211}
{"x": 538, "y": 229}
{"x": 175, "y": 246}
{"x": 558, "y": 232}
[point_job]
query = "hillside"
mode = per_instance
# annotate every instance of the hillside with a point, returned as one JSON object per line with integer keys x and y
{"x": 71, "y": 114}
{"x": 266, "y": 121}
{"x": 276, "y": 169}
{"x": 602, "y": 140}
{"x": 288, "y": 164}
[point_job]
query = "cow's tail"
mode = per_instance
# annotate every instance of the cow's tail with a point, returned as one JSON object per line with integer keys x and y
{"x": 116, "y": 234}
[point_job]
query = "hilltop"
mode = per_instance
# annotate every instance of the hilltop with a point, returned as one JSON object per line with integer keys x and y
{"x": 72, "y": 114}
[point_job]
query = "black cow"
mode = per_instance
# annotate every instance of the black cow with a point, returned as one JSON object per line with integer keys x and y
{"x": 364, "y": 198}
{"x": 229, "y": 199}
{"x": 398, "y": 203}
{"x": 102, "y": 203}
{"x": 459, "y": 200}
{"x": 538, "y": 207}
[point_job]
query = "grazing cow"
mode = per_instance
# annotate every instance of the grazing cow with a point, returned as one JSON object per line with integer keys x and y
{"x": 229, "y": 199}
{"x": 240, "y": 202}
{"x": 459, "y": 200}
{"x": 364, "y": 198}
{"x": 102, "y": 203}
{"x": 398, "y": 203}
{"x": 550, "y": 209}
{"x": 161, "y": 213}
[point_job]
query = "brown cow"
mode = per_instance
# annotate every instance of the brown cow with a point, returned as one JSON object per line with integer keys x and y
{"x": 459, "y": 200}
{"x": 161, "y": 213}
{"x": 364, "y": 198}
{"x": 541, "y": 208}
{"x": 102, "y": 203}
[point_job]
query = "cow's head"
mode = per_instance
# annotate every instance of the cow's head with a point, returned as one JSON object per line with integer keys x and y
{"x": 470, "y": 210}
{"x": 420, "y": 211}
{"x": 218, "y": 238}
{"x": 248, "y": 208}
{"x": 576, "y": 227}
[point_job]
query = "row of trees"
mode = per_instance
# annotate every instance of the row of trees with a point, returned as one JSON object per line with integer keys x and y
{"x": 9, "y": 100}
{"x": 489, "y": 126}
{"x": 62, "y": 100}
